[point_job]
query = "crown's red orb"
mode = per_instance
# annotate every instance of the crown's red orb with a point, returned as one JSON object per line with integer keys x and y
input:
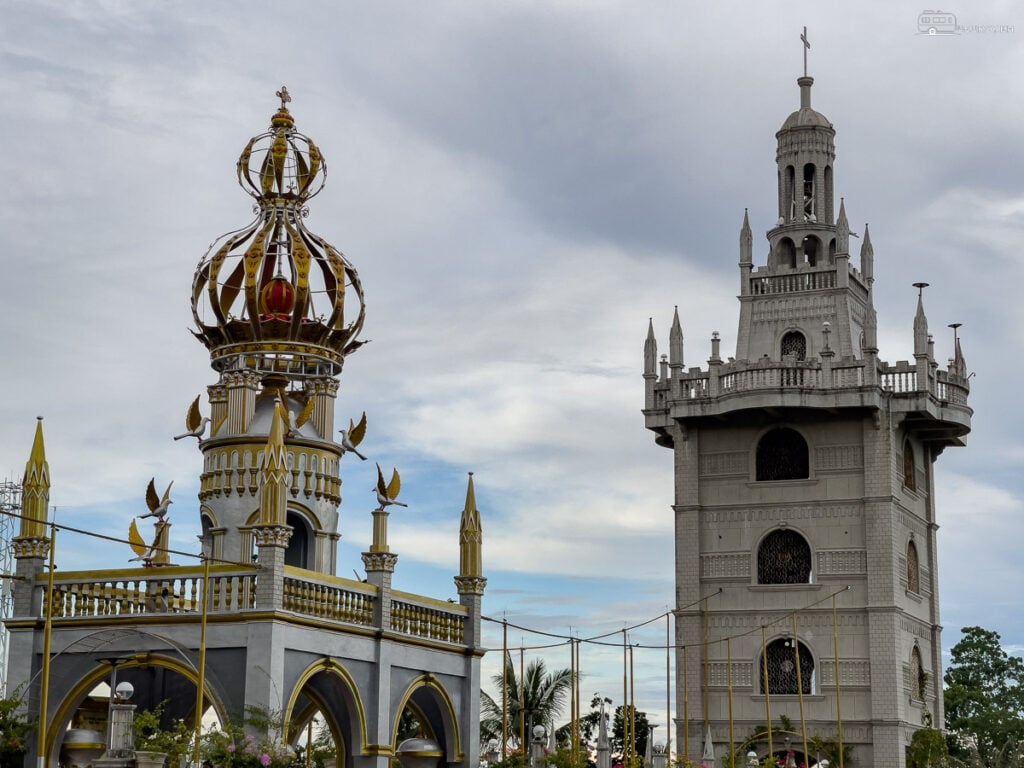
{"x": 278, "y": 297}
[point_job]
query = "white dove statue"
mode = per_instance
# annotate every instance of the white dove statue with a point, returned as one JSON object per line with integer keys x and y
{"x": 353, "y": 436}
{"x": 387, "y": 494}
{"x": 144, "y": 553}
{"x": 157, "y": 505}
{"x": 194, "y": 423}
{"x": 293, "y": 421}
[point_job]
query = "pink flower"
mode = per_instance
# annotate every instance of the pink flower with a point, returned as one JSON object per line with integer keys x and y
{"x": 264, "y": 760}
{"x": 231, "y": 747}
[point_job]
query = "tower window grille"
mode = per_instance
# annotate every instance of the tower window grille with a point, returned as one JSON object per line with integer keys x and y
{"x": 909, "y": 471}
{"x": 918, "y": 680}
{"x": 784, "y": 557}
{"x": 794, "y": 344}
{"x": 782, "y": 455}
{"x": 913, "y": 569}
{"x": 781, "y": 662}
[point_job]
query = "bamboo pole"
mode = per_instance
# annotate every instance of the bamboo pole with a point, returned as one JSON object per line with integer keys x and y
{"x": 668, "y": 687}
{"x": 686, "y": 707}
{"x": 728, "y": 676}
{"x": 767, "y": 690}
{"x": 504, "y": 689}
{"x": 44, "y": 682}
{"x": 201, "y": 673}
{"x": 799, "y": 686}
{"x": 839, "y": 697}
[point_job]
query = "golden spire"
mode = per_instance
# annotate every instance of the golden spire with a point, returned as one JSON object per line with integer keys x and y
{"x": 470, "y": 536}
{"x": 274, "y": 473}
{"x": 36, "y": 489}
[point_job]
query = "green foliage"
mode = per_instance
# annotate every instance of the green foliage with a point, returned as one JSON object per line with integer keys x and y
{"x": 640, "y": 732}
{"x": 151, "y": 736}
{"x": 515, "y": 759}
{"x": 14, "y": 731}
{"x": 232, "y": 747}
{"x": 984, "y": 696}
{"x": 927, "y": 749}
{"x": 563, "y": 758}
{"x": 536, "y": 700}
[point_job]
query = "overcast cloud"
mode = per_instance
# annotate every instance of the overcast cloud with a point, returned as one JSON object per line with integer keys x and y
{"x": 520, "y": 185}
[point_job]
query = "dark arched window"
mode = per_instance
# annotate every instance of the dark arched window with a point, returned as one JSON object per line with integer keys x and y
{"x": 784, "y": 557}
{"x": 812, "y": 250}
{"x": 786, "y": 253}
{"x": 781, "y": 662}
{"x": 918, "y": 679}
{"x": 794, "y": 343}
{"x": 909, "y": 473}
{"x": 913, "y": 569}
{"x": 297, "y": 553}
{"x": 782, "y": 455}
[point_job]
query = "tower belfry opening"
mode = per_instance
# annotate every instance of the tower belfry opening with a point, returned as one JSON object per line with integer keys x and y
{"x": 804, "y": 469}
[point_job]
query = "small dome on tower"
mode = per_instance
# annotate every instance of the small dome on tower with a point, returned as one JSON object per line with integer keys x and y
{"x": 805, "y": 116}
{"x": 272, "y": 295}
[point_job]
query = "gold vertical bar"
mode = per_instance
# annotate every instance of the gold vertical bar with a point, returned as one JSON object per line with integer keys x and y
{"x": 625, "y": 700}
{"x": 767, "y": 690}
{"x": 799, "y": 686}
{"x": 201, "y": 672}
{"x": 728, "y": 678}
{"x": 686, "y": 707}
{"x": 522, "y": 703}
{"x": 704, "y": 608}
{"x": 668, "y": 687}
{"x": 632, "y": 707}
{"x": 44, "y": 682}
{"x": 504, "y": 689}
{"x": 839, "y": 710}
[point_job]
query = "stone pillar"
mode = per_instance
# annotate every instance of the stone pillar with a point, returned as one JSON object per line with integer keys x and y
{"x": 379, "y": 567}
{"x": 31, "y": 553}
{"x": 272, "y": 541}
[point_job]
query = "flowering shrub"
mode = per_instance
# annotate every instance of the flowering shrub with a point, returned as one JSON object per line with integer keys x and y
{"x": 231, "y": 748}
{"x": 14, "y": 730}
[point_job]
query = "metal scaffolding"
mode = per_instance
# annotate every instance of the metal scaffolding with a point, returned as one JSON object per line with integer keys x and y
{"x": 10, "y": 506}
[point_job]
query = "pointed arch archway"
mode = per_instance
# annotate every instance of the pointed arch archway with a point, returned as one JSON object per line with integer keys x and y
{"x": 327, "y": 686}
{"x": 77, "y": 694}
{"x": 430, "y": 701}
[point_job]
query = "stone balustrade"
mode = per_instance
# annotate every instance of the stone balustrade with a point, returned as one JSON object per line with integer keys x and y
{"x": 177, "y": 590}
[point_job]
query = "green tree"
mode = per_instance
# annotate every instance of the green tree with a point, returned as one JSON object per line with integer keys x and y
{"x": 640, "y": 731}
{"x": 984, "y": 695}
{"x": 535, "y": 700}
{"x": 927, "y": 749}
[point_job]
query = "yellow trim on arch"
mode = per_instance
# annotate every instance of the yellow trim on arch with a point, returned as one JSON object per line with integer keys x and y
{"x": 331, "y": 666}
{"x": 101, "y": 674}
{"x": 429, "y": 681}
{"x": 317, "y": 704}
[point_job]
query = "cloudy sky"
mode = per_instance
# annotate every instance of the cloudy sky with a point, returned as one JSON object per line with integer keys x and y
{"x": 520, "y": 185}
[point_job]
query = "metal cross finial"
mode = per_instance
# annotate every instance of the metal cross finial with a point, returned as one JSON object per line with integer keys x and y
{"x": 285, "y": 97}
{"x": 807, "y": 47}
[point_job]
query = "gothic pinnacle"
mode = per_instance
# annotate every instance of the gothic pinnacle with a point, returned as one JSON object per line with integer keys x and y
{"x": 867, "y": 257}
{"x": 470, "y": 535}
{"x": 675, "y": 342}
{"x": 746, "y": 241}
{"x": 650, "y": 350}
{"x": 35, "y": 488}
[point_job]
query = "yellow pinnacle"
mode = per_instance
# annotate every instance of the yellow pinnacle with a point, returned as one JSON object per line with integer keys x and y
{"x": 36, "y": 488}
{"x": 274, "y": 490}
{"x": 470, "y": 536}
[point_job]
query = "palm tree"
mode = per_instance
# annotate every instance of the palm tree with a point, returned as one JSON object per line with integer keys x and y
{"x": 540, "y": 696}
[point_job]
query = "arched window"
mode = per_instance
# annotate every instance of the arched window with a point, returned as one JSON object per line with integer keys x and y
{"x": 781, "y": 662}
{"x": 794, "y": 343}
{"x": 786, "y": 253}
{"x": 784, "y": 557}
{"x": 812, "y": 250}
{"x": 918, "y": 678}
{"x": 909, "y": 465}
{"x": 913, "y": 569}
{"x": 782, "y": 455}
{"x": 809, "y": 193}
{"x": 297, "y": 553}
